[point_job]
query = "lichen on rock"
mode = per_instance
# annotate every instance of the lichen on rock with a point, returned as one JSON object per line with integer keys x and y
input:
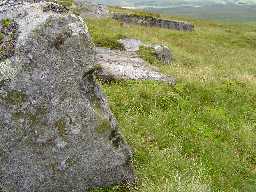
{"x": 50, "y": 103}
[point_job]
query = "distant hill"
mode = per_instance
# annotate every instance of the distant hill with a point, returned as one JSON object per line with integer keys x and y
{"x": 228, "y": 12}
{"x": 225, "y": 10}
{"x": 164, "y": 3}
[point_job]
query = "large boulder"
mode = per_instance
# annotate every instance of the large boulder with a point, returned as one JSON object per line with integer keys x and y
{"x": 115, "y": 65}
{"x": 57, "y": 132}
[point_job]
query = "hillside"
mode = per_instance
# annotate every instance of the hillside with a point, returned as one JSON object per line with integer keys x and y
{"x": 60, "y": 132}
{"x": 175, "y": 2}
{"x": 221, "y": 10}
{"x": 200, "y": 134}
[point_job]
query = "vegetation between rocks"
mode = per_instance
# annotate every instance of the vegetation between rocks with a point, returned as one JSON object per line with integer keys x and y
{"x": 148, "y": 54}
{"x": 108, "y": 41}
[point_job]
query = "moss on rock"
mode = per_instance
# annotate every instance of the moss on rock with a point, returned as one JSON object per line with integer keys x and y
{"x": 60, "y": 125}
{"x": 104, "y": 126}
{"x": 15, "y": 97}
{"x": 148, "y": 54}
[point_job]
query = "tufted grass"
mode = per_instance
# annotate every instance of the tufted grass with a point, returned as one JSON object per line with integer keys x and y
{"x": 199, "y": 135}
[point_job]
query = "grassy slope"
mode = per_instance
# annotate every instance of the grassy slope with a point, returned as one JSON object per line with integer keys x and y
{"x": 200, "y": 134}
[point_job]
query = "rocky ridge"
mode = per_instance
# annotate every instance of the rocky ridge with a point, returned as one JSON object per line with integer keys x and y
{"x": 151, "y": 21}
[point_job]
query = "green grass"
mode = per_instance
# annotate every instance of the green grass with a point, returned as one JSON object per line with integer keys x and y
{"x": 149, "y": 55}
{"x": 108, "y": 41}
{"x": 65, "y": 3}
{"x": 6, "y": 22}
{"x": 200, "y": 134}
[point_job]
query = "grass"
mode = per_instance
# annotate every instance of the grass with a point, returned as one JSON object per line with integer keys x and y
{"x": 6, "y": 22}
{"x": 200, "y": 134}
{"x": 108, "y": 41}
{"x": 149, "y": 55}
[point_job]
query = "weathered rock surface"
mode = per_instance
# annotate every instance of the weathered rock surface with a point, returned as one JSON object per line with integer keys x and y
{"x": 153, "y": 22}
{"x": 88, "y": 8}
{"x": 131, "y": 44}
{"x": 123, "y": 65}
{"x": 163, "y": 53}
{"x": 57, "y": 132}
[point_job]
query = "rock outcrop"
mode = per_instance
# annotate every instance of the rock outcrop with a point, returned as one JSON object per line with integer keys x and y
{"x": 124, "y": 65}
{"x": 163, "y": 53}
{"x": 88, "y": 8}
{"x": 57, "y": 132}
{"x": 131, "y": 44}
{"x": 153, "y": 22}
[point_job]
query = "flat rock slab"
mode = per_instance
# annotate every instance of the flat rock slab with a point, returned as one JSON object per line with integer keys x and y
{"x": 57, "y": 132}
{"x": 123, "y": 65}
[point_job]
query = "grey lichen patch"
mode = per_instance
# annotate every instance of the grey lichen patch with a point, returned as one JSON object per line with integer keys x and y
{"x": 7, "y": 70}
{"x": 8, "y": 38}
{"x": 15, "y": 97}
{"x": 60, "y": 125}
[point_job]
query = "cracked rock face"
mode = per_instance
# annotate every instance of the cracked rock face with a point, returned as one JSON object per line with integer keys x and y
{"x": 57, "y": 132}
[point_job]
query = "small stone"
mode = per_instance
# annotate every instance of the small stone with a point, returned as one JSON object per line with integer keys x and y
{"x": 163, "y": 53}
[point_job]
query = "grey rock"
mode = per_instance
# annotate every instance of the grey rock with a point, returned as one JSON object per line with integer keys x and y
{"x": 131, "y": 44}
{"x": 57, "y": 132}
{"x": 163, "y": 53}
{"x": 87, "y": 8}
{"x": 124, "y": 65}
{"x": 153, "y": 22}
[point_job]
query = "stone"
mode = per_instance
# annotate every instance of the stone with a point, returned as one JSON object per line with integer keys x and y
{"x": 163, "y": 53}
{"x": 131, "y": 44}
{"x": 123, "y": 65}
{"x": 88, "y": 8}
{"x": 57, "y": 132}
{"x": 153, "y": 22}
{"x": 101, "y": 10}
